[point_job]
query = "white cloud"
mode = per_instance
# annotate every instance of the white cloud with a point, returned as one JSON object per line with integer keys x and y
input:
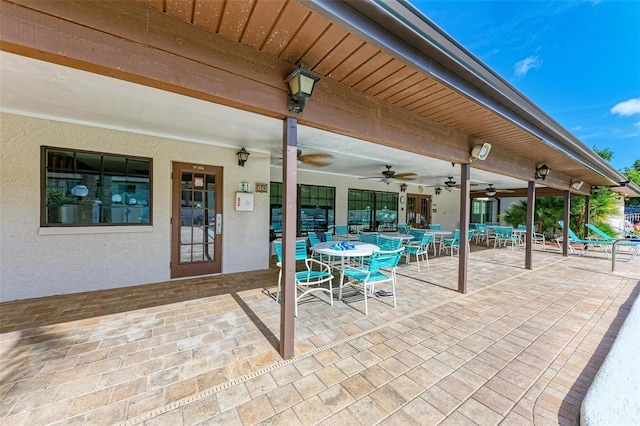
{"x": 626, "y": 108}
{"x": 522, "y": 67}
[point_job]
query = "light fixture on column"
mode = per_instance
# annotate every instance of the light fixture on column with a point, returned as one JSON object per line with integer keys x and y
{"x": 301, "y": 82}
{"x": 542, "y": 171}
{"x": 576, "y": 184}
{"x": 243, "y": 156}
{"x": 403, "y": 187}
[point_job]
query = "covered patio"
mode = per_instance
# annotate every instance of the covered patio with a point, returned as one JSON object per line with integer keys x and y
{"x": 522, "y": 346}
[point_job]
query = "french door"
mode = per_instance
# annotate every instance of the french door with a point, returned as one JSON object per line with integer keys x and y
{"x": 418, "y": 210}
{"x": 196, "y": 220}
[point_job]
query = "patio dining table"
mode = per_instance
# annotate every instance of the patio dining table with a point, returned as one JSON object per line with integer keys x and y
{"x": 403, "y": 237}
{"x": 437, "y": 234}
{"x": 360, "y": 250}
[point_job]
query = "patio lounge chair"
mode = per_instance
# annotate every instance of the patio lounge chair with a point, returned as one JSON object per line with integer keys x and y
{"x": 586, "y": 243}
{"x": 306, "y": 281}
{"x": 601, "y": 234}
{"x": 631, "y": 245}
{"x": 367, "y": 276}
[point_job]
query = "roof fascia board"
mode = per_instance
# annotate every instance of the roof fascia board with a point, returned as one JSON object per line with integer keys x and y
{"x": 405, "y": 33}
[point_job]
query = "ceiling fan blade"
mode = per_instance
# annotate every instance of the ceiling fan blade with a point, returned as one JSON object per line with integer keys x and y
{"x": 405, "y": 176}
{"x": 316, "y": 156}
{"x": 316, "y": 163}
{"x": 505, "y": 190}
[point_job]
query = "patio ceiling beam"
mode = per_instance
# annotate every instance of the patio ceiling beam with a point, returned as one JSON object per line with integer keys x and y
{"x": 126, "y": 40}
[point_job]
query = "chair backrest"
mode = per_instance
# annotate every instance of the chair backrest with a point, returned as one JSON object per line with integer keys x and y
{"x": 522, "y": 227}
{"x": 426, "y": 239}
{"x": 385, "y": 259}
{"x": 388, "y": 243}
{"x": 368, "y": 237}
{"x": 403, "y": 228}
{"x": 599, "y": 232}
{"x": 481, "y": 227}
{"x": 456, "y": 234}
{"x": 572, "y": 234}
{"x": 435, "y": 227}
{"x": 314, "y": 238}
{"x": 342, "y": 230}
{"x": 301, "y": 250}
{"x": 417, "y": 234}
{"x": 492, "y": 223}
{"x": 277, "y": 226}
{"x": 503, "y": 231}
{"x": 470, "y": 233}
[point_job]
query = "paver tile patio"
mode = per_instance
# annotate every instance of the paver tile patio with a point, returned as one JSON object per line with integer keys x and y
{"x": 521, "y": 347}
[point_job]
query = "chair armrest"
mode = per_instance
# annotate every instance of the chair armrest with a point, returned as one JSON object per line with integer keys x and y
{"x": 310, "y": 262}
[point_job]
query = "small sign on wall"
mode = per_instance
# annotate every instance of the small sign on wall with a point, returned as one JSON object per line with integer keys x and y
{"x": 198, "y": 182}
{"x": 244, "y": 202}
{"x": 262, "y": 187}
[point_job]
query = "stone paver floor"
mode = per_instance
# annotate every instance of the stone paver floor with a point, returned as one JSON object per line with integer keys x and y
{"x": 522, "y": 347}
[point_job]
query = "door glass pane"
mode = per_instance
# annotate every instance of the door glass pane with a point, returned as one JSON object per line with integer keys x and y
{"x": 197, "y": 217}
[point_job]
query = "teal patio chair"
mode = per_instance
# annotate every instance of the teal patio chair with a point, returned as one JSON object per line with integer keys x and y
{"x": 504, "y": 235}
{"x": 314, "y": 238}
{"x": 435, "y": 227}
{"x": 419, "y": 246}
{"x": 385, "y": 244}
{"x": 481, "y": 232}
{"x": 367, "y": 276}
{"x": 308, "y": 281}
{"x": 450, "y": 244}
{"x": 342, "y": 232}
{"x": 368, "y": 237}
{"x": 403, "y": 228}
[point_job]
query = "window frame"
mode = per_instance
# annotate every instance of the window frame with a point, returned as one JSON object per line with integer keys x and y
{"x": 101, "y": 173}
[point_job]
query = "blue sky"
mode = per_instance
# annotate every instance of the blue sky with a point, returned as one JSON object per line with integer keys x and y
{"x": 577, "y": 60}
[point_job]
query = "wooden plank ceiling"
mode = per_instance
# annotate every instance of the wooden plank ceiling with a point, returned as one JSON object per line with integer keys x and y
{"x": 288, "y": 31}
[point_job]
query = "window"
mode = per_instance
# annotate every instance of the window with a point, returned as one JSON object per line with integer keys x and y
{"x": 481, "y": 210}
{"x": 90, "y": 189}
{"x": 371, "y": 210}
{"x": 316, "y": 207}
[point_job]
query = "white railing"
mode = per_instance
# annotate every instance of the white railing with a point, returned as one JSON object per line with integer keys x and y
{"x": 632, "y": 217}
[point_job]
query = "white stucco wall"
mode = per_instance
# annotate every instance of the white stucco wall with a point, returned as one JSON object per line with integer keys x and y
{"x": 37, "y": 262}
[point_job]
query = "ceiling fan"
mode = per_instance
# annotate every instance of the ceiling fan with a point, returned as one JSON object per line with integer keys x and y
{"x": 389, "y": 175}
{"x": 490, "y": 191}
{"x": 449, "y": 184}
{"x": 318, "y": 159}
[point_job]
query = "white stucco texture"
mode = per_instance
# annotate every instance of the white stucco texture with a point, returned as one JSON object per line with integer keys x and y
{"x": 36, "y": 262}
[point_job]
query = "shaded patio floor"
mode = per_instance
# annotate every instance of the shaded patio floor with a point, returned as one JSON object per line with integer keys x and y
{"x": 522, "y": 347}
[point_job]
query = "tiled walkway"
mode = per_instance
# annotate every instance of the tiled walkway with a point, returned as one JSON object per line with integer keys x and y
{"x": 522, "y": 347}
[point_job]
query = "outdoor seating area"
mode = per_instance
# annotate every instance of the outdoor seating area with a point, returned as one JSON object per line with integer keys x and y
{"x": 205, "y": 350}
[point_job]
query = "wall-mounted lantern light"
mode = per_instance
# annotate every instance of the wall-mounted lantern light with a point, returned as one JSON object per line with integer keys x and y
{"x": 542, "y": 171}
{"x": 243, "y": 156}
{"x": 301, "y": 82}
{"x": 403, "y": 187}
{"x": 438, "y": 190}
